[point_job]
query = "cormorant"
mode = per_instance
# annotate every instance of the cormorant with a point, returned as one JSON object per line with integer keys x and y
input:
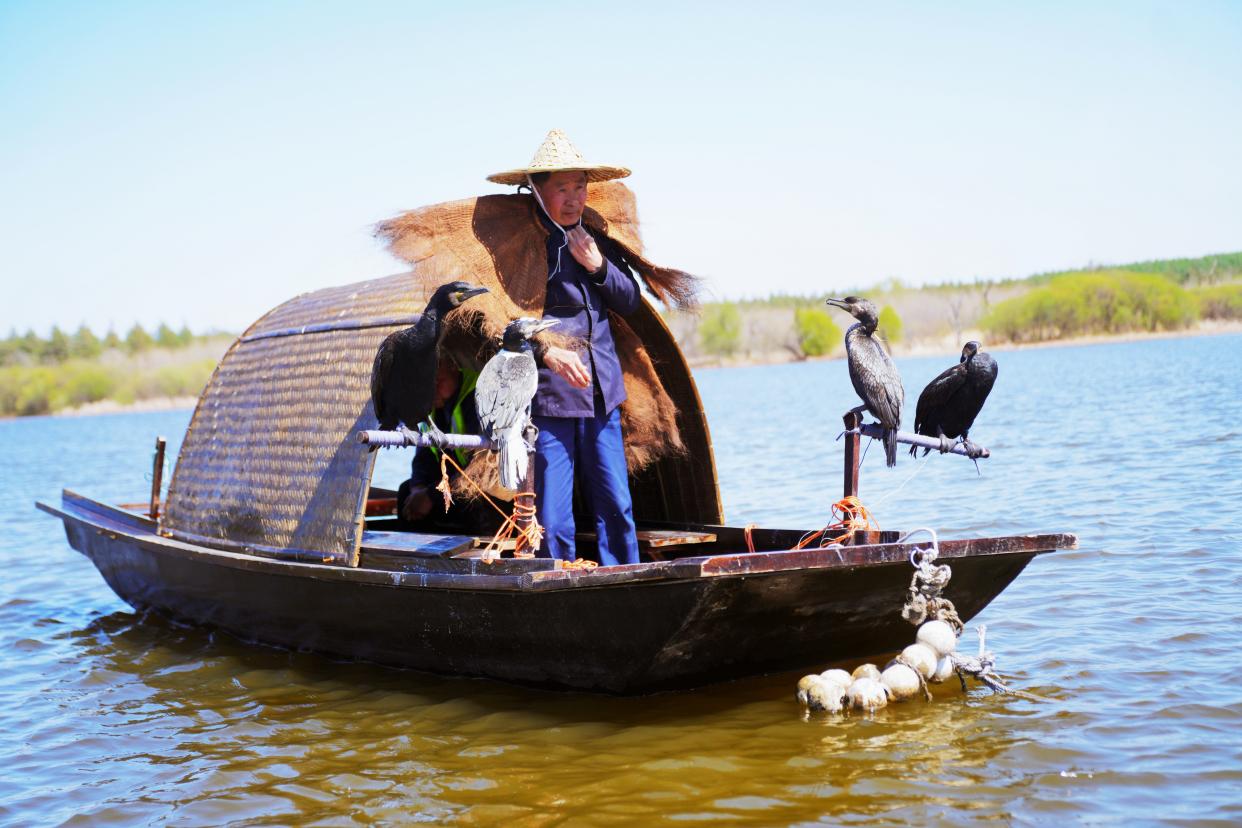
{"x": 872, "y": 372}
{"x": 404, "y": 376}
{"x": 503, "y": 393}
{"x": 949, "y": 404}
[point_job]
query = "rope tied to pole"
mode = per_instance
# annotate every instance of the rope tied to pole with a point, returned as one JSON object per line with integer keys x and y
{"x": 849, "y": 515}
{"x": 528, "y": 538}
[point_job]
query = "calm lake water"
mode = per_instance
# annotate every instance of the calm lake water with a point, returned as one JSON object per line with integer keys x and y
{"x": 107, "y": 716}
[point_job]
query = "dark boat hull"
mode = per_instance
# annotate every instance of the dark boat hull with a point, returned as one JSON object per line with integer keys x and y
{"x": 644, "y": 629}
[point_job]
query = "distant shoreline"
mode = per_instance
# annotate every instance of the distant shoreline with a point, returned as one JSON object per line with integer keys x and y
{"x": 136, "y": 407}
{"x": 1209, "y": 327}
{"x": 1205, "y": 328}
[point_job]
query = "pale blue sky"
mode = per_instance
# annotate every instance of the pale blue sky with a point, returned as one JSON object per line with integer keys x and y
{"x": 202, "y": 162}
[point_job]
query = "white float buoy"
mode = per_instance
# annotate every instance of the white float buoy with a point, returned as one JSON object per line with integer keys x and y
{"x": 939, "y": 636}
{"x": 866, "y": 671}
{"x": 804, "y": 687}
{"x": 944, "y": 670}
{"x": 922, "y": 658}
{"x": 837, "y": 676}
{"x": 867, "y": 694}
{"x": 902, "y": 682}
{"x": 827, "y": 696}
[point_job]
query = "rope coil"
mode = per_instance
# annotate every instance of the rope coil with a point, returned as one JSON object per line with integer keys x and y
{"x": 849, "y": 515}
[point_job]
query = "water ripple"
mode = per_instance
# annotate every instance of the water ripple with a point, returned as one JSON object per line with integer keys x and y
{"x": 111, "y": 716}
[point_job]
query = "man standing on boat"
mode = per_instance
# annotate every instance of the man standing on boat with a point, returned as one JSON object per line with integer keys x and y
{"x": 577, "y": 406}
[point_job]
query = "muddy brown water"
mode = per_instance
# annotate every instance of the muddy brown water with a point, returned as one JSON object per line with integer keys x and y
{"x": 112, "y": 717}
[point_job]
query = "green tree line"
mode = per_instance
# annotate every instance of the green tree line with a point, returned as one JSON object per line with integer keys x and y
{"x": 46, "y": 374}
{"x": 58, "y": 347}
{"x": 1108, "y": 302}
{"x": 722, "y": 329}
{"x": 27, "y": 390}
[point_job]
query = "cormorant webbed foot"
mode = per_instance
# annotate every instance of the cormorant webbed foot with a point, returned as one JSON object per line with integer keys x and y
{"x": 946, "y": 445}
{"x": 411, "y": 437}
{"x": 434, "y": 434}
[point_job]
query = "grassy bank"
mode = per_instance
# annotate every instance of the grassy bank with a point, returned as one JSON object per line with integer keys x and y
{"x": 44, "y": 375}
{"x": 65, "y": 371}
{"x": 1143, "y": 298}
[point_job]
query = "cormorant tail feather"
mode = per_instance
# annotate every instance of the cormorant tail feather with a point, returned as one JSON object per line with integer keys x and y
{"x": 890, "y": 446}
{"x": 513, "y": 461}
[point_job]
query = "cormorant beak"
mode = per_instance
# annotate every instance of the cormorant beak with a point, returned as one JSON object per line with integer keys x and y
{"x": 837, "y": 303}
{"x": 475, "y": 291}
{"x": 543, "y": 325}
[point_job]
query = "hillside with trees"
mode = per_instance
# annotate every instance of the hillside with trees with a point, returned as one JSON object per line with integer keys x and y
{"x": 43, "y": 375}
{"x": 1138, "y": 298}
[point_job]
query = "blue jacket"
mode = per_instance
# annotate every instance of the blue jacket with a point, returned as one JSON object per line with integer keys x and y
{"x": 581, "y": 301}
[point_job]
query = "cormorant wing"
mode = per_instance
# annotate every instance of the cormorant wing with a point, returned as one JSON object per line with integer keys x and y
{"x": 504, "y": 390}
{"x": 875, "y": 378}
{"x": 937, "y": 394}
{"x": 380, "y": 373}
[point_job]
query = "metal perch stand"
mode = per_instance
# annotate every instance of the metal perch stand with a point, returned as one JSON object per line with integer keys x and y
{"x": 855, "y": 429}
{"x": 398, "y": 439}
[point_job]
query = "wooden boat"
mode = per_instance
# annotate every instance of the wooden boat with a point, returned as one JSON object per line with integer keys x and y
{"x": 265, "y": 533}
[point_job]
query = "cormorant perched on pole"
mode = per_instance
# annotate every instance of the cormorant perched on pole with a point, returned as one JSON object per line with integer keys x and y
{"x": 872, "y": 371}
{"x": 503, "y": 393}
{"x": 403, "y": 381}
{"x": 949, "y": 404}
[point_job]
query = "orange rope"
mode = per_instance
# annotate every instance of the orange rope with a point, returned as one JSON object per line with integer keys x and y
{"x": 523, "y": 508}
{"x": 749, "y": 532}
{"x": 849, "y": 515}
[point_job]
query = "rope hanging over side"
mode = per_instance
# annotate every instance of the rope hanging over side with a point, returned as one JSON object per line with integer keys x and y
{"x": 924, "y": 601}
{"x": 983, "y": 668}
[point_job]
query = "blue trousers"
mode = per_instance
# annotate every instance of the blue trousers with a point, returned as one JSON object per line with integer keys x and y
{"x": 594, "y": 446}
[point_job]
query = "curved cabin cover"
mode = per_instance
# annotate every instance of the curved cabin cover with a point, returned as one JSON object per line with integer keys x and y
{"x": 270, "y": 463}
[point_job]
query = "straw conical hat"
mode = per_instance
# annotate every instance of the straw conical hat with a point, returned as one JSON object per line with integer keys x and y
{"x": 556, "y": 154}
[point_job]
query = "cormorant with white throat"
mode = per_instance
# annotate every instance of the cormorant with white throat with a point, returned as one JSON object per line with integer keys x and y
{"x": 503, "y": 393}
{"x": 872, "y": 371}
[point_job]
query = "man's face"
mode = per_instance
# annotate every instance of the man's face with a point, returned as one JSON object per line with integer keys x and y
{"x": 448, "y": 380}
{"x": 564, "y": 195}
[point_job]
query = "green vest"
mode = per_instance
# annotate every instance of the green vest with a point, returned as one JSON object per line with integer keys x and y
{"x": 457, "y": 420}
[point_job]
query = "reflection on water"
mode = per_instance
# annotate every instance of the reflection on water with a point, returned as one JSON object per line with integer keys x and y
{"x": 108, "y": 715}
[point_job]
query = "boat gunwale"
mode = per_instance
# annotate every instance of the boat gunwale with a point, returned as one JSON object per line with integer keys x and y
{"x": 140, "y": 529}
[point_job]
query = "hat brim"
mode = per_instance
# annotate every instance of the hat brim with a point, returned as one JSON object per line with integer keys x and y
{"x": 595, "y": 173}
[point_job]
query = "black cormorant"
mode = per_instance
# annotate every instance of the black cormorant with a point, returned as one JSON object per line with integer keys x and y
{"x": 949, "y": 404}
{"x": 872, "y": 372}
{"x": 503, "y": 393}
{"x": 403, "y": 379}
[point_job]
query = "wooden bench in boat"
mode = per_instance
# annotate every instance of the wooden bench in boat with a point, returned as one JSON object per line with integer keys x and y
{"x": 418, "y": 552}
{"x": 654, "y": 541}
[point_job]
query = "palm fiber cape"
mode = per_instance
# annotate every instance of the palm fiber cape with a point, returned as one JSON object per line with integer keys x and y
{"x": 498, "y": 241}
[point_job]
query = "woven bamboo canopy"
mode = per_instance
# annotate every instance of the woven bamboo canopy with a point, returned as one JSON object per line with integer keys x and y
{"x": 270, "y": 464}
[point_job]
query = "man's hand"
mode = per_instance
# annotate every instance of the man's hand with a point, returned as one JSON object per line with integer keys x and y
{"x": 417, "y": 503}
{"x": 583, "y": 248}
{"x": 567, "y": 363}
